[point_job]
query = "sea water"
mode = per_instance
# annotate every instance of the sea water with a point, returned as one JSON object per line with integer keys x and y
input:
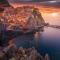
{"x": 47, "y": 41}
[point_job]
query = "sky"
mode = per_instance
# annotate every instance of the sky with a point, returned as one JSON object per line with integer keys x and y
{"x": 39, "y": 0}
{"x": 33, "y": 0}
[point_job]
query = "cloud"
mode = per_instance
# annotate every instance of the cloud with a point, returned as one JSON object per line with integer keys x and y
{"x": 56, "y": 0}
{"x": 28, "y": 0}
{"x": 25, "y": 0}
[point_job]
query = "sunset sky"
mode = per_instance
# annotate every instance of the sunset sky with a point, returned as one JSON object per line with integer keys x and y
{"x": 37, "y": 0}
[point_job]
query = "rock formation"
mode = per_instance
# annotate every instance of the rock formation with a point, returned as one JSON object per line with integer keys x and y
{"x": 22, "y": 54}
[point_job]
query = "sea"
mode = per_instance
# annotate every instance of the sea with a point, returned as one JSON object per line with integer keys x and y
{"x": 46, "y": 42}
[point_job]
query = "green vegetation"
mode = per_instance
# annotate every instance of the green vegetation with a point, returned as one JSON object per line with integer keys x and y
{"x": 2, "y": 1}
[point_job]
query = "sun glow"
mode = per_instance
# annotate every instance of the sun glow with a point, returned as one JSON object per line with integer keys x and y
{"x": 54, "y": 14}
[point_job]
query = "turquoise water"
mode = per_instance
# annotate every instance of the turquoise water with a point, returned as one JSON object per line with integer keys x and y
{"x": 47, "y": 41}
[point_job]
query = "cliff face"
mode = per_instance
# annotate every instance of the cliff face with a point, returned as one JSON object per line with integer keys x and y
{"x": 22, "y": 18}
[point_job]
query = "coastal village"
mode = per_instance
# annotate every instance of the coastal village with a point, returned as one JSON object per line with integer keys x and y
{"x": 25, "y": 19}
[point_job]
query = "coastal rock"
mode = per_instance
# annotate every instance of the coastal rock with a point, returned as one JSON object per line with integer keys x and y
{"x": 24, "y": 54}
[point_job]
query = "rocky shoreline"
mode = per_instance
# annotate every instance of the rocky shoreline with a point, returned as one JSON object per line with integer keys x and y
{"x": 21, "y": 53}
